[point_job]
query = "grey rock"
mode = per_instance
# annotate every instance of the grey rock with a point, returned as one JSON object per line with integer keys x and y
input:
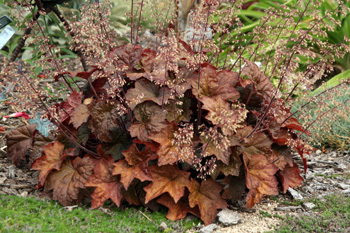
{"x": 163, "y": 226}
{"x": 11, "y": 173}
{"x": 2, "y": 179}
{"x": 295, "y": 194}
{"x": 209, "y": 229}
{"x": 24, "y": 194}
{"x": 343, "y": 186}
{"x": 228, "y": 217}
{"x": 309, "y": 205}
{"x": 342, "y": 167}
{"x": 346, "y": 191}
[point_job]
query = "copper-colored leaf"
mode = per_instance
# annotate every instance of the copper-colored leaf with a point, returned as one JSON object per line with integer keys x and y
{"x": 262, "y": 83}
{"x": 146, "y": 90}
{"x": 79, "y": 116}
{"x": 84, "y": 75}
{"x": 215, "y": 83}
{"x": 167, "y": 179}
{"x": 129, "y": 54}
{"x": 70, "y": 179}
{"x": 228, "y": 169}
{"x": 104, "y": 117}
{"x": 236, "y": 186}
{"x": 18, "y": 143}
{"x": 260, "y": 178}
{"x": 135, "y": 165}
{"x": 181, "y": 112}
{"x": 290, "y": 177}
{"x": 281, "y": 156}
{"x": 68, "y": 106}
{"x": 107, "y": 185}
{"x": 207, "y": 196}
{"x": 168, "y": 152}
{"x": 54, "y": 154}
{"x": 228, "y": 118}
{"x": 150, "y": 118}
{"x": 258, "y": 143}
{"x": 217, "y": 149}
{"x": 129, "y": 173}
{"x": 177, "y": 210}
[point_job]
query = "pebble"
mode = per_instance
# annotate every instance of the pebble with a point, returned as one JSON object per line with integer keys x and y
{"x": 2, "y": 179}
{"x": 209, "y": 229}
{"x": 24, "y": 194}
{"x": 295, "y": 194}
{"x": 342, "y": 167}
{"x": 309, "y": 205}
{"x": 343, "y": 186}
{"x": 229, "y": 217}
{"x": 163, "y": 226}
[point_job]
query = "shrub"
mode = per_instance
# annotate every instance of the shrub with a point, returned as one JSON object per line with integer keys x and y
{"x": 161, "y": 123}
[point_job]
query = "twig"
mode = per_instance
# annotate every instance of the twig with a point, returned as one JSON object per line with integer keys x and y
{"x": 18, "y": 186}
{"x": 146, "y": 216}
{"x": 288, "y": 208}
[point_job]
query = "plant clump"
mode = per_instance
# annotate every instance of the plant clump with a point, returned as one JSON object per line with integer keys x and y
{"x": 160, "y": 123}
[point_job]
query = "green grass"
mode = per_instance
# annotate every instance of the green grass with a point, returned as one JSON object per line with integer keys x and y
{"x": 333, "y": 176}
{"x": 19, "y": 214}
{"x": 332, "y": 215}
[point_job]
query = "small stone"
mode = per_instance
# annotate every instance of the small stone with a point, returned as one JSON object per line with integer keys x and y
{"x": 346, "y": 191}
{"x": 343, "y": 186}
{"x": 163, "y": 226}
{"x": 342, "y": 167}
{"x": 309, "y": 205}
{"x": 295, "y": 194}
{"x": 209, "y": 229}
{"x": 228, "y": 217}
{"x": 24, "y": 194}
{"x": 332, "y": 154}
{"x": 2, "y": 180}
{"x": 11, "y": 173}
{"x": 318, "y": 152}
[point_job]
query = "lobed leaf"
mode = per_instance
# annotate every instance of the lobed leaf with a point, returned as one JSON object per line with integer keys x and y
{"x": 177, "y": 210}
{"x": 107, "y": 185}
{"x": 168, "y": 179}
{"x": 104, "y": 116}
{"x": 18, "y": 143}
{"x": 206, "y": 196}
{"x": 67, "y": 183}
{"x": 54, "y": 155}
{"x": 290, "y": 177}
{"x": 68, "y": 106}
{"x": 260, "y": 178}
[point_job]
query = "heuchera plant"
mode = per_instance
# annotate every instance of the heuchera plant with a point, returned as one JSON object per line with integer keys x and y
{"x": 162, "y": 124}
